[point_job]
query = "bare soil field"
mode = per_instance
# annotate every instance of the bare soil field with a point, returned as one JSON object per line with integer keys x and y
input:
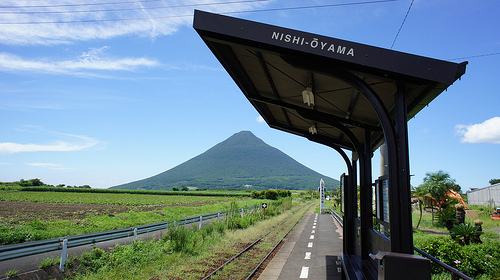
{"x": 27, "y": 211}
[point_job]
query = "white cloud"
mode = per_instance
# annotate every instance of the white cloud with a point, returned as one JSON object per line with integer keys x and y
{"x": 260, "y": 119}
{"x": 53, "y": 166}
{"x": 57, "y": 146}
{"x": 486, "y": 132}
{"x": 63, "y": 24}
{"x": 88, "y": 61}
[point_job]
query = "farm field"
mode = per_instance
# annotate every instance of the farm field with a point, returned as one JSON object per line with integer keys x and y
{"x": 192, "y": 254}
{"x": 28, "y": 216}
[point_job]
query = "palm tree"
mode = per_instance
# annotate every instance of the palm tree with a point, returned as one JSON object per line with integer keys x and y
{"x": 438, "y": 184}
{"x": 420, "y": 192}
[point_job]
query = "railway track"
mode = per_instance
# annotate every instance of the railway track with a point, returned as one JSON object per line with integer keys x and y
{"x": 254, "y": 257}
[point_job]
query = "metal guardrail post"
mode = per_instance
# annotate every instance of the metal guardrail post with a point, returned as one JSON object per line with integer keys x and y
{"x": 242, "y": 212}
{"x": 44, "y": 246}
{"x": 63, "y": 254}
{"x": 201, "y": 220}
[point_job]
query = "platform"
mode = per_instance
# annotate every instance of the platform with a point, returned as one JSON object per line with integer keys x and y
{"x": 312, "y": 252}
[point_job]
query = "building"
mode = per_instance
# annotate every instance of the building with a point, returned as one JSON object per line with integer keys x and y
{"x": 489, "y": 196}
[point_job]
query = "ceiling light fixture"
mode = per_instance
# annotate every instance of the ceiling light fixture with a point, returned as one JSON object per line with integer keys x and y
{"x": 313, "y": 130}
{"x": 308, "y": 96}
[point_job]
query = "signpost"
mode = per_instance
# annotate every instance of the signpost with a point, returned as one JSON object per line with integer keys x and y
{"x": 322, "y": 195}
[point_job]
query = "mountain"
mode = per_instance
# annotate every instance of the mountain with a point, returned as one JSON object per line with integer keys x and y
{"x": 242, "y": 161}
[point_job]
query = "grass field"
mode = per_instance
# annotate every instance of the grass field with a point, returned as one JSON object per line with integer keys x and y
{"x": 109, "y": 198}
{"x": 29, "y": 216}
{"x": 201, "y": 253}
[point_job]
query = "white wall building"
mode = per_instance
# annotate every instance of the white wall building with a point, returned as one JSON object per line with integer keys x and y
{"x": 489, "y": 196}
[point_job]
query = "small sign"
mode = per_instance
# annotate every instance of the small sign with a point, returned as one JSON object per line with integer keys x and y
{"x": 322, "y": 196}
{"x": 264, "y": 205}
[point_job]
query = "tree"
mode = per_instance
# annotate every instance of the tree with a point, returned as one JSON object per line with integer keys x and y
{"x": 438, "y": 184}
{"x": 185, "y": 189}
{"x": 494, "y": 181}
{"x": 421, "y": 192}
{"x": 271, "y": 194}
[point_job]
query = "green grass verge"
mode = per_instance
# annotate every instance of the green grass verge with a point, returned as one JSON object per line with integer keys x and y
{"x": 16, "y": 231}
{"x": 180, "y": 253}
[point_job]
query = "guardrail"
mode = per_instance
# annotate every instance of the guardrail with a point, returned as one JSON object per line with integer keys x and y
{"x": 455, "y": 273}
{"x": 44, "y": 246}
{"x": 337, "y": 217}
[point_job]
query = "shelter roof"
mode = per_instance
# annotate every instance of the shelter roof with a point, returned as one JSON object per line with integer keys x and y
{"x": 274, "y": 67}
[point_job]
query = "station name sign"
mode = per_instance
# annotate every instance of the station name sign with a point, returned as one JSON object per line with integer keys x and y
{"x": 313, "y": 43}
{"x": 229, "y": 30}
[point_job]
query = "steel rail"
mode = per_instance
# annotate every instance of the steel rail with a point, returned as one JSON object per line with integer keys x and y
{"x": 455, "y": 273}
{"x": 8, "y": 252}
{"x": 253, "y": 244}
{"x": 242, "y": 251}
{"x": 273, "y": 249}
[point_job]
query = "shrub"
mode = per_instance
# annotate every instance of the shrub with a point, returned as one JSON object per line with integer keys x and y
{"x": 446, "y": 217}
{"x": 465, "y": 233}
{"x": 271, "y": 194}
{"x": 474, "y": 260}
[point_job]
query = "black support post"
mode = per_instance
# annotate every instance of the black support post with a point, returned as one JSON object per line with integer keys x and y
{"x": 404, "y": 193}
{"x": 365, "y": 192}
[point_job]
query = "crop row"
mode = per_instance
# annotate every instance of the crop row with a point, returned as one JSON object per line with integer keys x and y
{"x": 107, "y": 198}
{"x": 150, "y": 192}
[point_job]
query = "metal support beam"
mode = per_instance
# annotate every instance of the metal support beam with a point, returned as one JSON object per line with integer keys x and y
{"x": 350, "y": 212}
{"x": 400, "y": 207}
{"x": 365, "y": 193}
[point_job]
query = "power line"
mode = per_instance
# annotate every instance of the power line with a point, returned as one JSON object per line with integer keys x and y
{"x": 190, "y": 15}
{"x": 401, "y": 27}
{"x": 128, "y": 9}
{"x": 79, "y": 5}
{"x": 474, "y": 56}
{"x": 311, "y": 7}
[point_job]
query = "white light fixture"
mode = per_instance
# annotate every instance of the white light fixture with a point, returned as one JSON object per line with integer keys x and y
{"x": 313, "y": 130}
{"x": 308, "y": 96}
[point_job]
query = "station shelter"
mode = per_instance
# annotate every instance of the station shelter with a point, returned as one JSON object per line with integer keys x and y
{"x": 350, "y": 97}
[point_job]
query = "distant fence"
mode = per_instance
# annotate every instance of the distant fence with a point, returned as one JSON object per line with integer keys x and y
{"x": 44, "y": 246}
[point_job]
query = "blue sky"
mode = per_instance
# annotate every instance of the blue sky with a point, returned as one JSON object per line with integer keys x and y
{"x": 89, "y": 99}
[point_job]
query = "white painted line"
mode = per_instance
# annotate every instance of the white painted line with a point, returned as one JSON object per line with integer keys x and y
{"x": 312, "y": 236}
{"x": 313, "y": 231}
{"x": 314, "y": 226}
{"x": 308, "y": 256}
{"x": 304, "y": 273}
{"x": 309, "y": 245}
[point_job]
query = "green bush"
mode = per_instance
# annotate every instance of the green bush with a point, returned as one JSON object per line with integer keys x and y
{"x": 466, "y": 233}
{"x": 446, "y": 217}
{"x": 475, "y": 260}
{"x": 271, "y": 194}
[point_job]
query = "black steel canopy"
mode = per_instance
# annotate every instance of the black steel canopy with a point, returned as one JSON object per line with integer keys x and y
{"x": 344, "y": 95}
{"x": 277, "y": 68}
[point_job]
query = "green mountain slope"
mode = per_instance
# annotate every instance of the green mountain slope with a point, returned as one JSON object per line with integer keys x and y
{"x": 240, "y": 161}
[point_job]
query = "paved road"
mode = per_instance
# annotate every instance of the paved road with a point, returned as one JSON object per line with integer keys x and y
{"x": 312, "y": 252}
